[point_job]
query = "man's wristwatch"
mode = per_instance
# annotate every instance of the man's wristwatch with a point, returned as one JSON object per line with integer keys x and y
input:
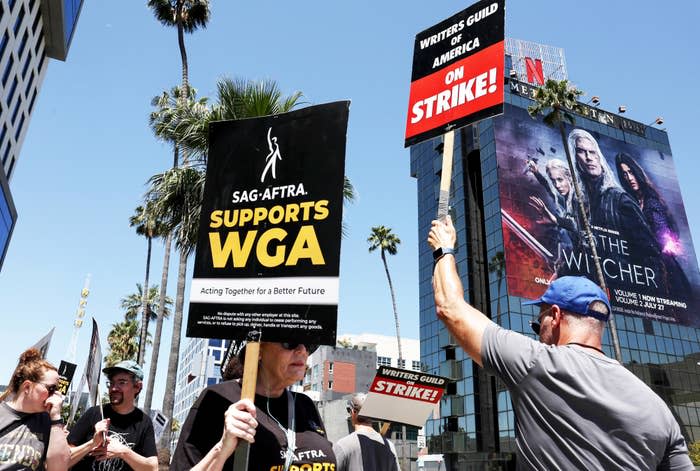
{"x": 442, "y": 251}
{"x": 57, "y": 422}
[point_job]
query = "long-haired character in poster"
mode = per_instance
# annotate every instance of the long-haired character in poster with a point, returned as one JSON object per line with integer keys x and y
{"x": 629, "y": 195}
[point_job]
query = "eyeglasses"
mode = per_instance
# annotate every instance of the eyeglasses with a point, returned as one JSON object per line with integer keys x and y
{"x": 50, "y": 388}
{"x": 118, "y": 384}
{"x": 310, "y": 348}
{"x": 536, "y": 325}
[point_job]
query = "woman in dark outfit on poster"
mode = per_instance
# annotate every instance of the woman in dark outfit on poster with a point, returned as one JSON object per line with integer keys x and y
{"x": 635, "y": 181}
{"x": 284, "y": 428}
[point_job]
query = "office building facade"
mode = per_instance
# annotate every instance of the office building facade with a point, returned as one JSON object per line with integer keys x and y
{"x": 199, "y": 367}
{"x": 501, "y": 250}
{"x": 31, "y": 32}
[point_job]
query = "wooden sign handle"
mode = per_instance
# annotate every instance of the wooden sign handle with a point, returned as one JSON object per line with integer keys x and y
{"x": 385, "y": 428}
{"x": 250, "y": 379}
{"x": 446, "y": 175}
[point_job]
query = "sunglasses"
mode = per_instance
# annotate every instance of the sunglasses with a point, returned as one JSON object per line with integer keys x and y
{"x": 536, "y": 325}
{"x": 310, "y": 348}
{"x": 50, "y": 388}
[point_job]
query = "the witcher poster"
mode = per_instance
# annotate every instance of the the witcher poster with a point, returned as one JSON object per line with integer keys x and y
{"x": 631, "y": 198}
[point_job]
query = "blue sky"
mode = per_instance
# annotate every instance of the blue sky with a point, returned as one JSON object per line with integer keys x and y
{"x": 89, "y": 152}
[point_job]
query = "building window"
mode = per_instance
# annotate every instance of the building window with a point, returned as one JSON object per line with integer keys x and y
{"x": 30, "y": 82}
{"x": 330, "y": 385}
{"x": 31, "y": 103}
{"x": 415, "y": 365}
{"x": 11, "y": 93}
{"x": 18, "y": 130}
{"x": 9, "y": 170}
{"x": 35, "y": 25}
{"x": 11, "y": 4}
{"x": 401, "y": 363}
{"x": 23, "y": 43}
{"x": 3, "y": 44}
{"x": 18, "y": 21}
{"x": 8, "y": 69}
{"x": 15, "y": 112}
{"x": 383, "y": 361}
{"x": 25, "y": 67}
{"x": 330, "y": 367}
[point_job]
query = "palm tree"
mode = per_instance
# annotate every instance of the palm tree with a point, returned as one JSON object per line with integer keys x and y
{"x": 165, "y": 109}
{"x": 187, "y": 16}
{"x": 121, "y": 342}
{"x": 497, "y": 265}
{"x": 131, "y": 304}
{"x": 554, "y": 100}
{"x": 382, "y": 238}
{"x": 148, "y": 226}
{"x": 177, "y": 196}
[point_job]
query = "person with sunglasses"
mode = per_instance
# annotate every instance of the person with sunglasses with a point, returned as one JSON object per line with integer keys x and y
{"x": 31, "y": 430}
{"x": 284, "y": 428}
{"x": 576, "y": 408}
{"x": 117, "y": 435}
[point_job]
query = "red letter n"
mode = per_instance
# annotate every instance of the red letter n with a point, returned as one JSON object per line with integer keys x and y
{"x": 534, "y": 71}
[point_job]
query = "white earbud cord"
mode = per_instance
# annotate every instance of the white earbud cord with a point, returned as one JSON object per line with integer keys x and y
{"x": 289, "y": 432}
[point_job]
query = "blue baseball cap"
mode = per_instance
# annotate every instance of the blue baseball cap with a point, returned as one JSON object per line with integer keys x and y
{"x": 574, "y": 294}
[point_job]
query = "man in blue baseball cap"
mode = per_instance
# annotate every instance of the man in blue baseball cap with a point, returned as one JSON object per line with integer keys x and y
{"x": 576, "y": 408}
{"x": 117, "y": 435}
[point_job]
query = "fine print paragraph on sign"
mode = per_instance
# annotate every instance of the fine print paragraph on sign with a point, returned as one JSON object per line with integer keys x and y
{"x": 257, "y": 320}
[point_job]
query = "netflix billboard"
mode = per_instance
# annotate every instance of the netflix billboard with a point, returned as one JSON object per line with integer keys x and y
{"x": 457, "y": 77}
{"x": 632, "y": 199}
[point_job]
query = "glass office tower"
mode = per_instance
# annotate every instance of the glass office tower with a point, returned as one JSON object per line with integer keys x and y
{"x": 500, "y": 245}
{"x": 31, "y": 32}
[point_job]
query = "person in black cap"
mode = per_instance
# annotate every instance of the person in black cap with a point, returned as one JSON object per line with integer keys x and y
{"x": 130, "y": 441}
{"x": 576, "y": 408}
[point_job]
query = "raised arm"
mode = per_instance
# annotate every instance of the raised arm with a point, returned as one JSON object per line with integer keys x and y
{"x": 464, "y": 322}
{"x": 57, "y": 452}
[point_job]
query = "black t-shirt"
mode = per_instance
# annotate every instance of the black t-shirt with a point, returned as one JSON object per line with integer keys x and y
{"x": 135, "y": 429}
{"x": 205, "y": 422}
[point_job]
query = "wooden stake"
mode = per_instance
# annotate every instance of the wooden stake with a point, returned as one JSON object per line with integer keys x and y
{"x": 446, "y": 176}
{"x": 250, "y": 379}
{"x": 385, "y": 428}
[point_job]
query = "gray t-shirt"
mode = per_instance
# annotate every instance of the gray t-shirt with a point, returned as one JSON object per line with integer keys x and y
{"x": 576, "y": 409}
{"x": 365, "y": 450}
{"x": 24, "y": 439}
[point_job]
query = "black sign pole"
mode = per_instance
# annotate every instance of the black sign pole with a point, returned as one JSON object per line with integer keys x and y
{"x": 250, "y": 379}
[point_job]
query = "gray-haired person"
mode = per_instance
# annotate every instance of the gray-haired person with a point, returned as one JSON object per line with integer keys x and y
{"x": 364, "y": 449}
{"x": 576, "y": 408}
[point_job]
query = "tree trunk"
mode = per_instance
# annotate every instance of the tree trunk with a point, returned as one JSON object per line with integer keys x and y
{"x": 144, "y": 307}
{"x": 169, "y": 397}
{"x": 183, "y": 50}
{"x": 159, "y": 326}
{"x": 591, "y": 241}
{"x": 393, "y": 303}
